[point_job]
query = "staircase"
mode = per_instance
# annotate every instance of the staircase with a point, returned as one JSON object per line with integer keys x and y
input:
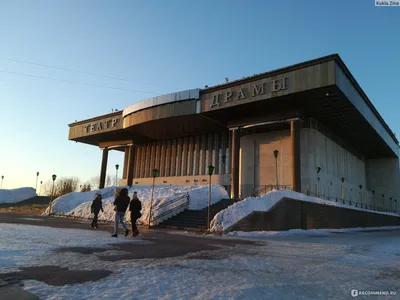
{"x": 195, "y": 220}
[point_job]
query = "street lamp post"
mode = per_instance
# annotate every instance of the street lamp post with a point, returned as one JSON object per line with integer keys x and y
{"x": 360, "y": 186}
{"x": 155, "y": 172}
{"x": 318, "y": 170}
{"x": 2, "y": 177}
{"x": 40, "y": 189}
{"x": 276, "y": 153}
{"x": 37, "y": 177}
{"x": 342, "y": 180}
{"x": 383, "y": 202}
{"x": 391, "y": 206}
{"x": 54, "y": 176}
{"x": 116, "y": 175}
{"x": 210, "y": 172}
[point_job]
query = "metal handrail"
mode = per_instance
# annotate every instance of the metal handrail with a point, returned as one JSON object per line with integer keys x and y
{"x": 184, "y": 204}
{"x": 270, "y": 187}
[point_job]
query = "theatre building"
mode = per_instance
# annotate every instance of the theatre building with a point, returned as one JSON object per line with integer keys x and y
{"x": 314, "y": 113}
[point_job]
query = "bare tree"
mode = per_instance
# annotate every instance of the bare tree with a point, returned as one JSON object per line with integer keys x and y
{"x": 65, "y": 185}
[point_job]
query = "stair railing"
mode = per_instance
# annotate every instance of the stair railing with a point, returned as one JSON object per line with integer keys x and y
{"x": 180, "y": 203}
{"x": 269, "y": 187}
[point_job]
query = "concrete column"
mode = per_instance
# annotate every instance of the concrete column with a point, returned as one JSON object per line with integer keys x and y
{"x": 137, "y": 162}
{"x": 217, "y": 145}
{"x": 162, "y": 159}
{"x": 185, "y": 156}
{"x": 235, "y": 163}
{"x": 190, "y": 162}
{"x": 126, "y": 158}
{"x": 143, "y": 161}
{"x": 295, "y": 131}
{"x": 103, "y": 170}
{"x": 148, "y": 161}
{"x": 168, "y": 159}
{"x": 203, "y": 155}
{"x": 179, "y": 158}
{"x": 130, "y": 164}
{"x": 157, "y": 158}
{"x": 152, "y": 158}
{"x": 173, "y": 159}
{"x": 210, "y": 152}
{"x": 197, "y": 156}
{"x": 223, "y": 153}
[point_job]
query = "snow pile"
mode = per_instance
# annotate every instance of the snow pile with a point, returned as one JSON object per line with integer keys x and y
{"x": 236, "y": 212}
{"x": 17, "y": 195}
{"x": 309, "y": 232}
{"x": 68, "y": 202}
{"x": 78, "y": 204}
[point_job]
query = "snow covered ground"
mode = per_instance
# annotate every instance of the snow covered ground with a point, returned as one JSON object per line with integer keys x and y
{"x": 236, "y": 212}
{"x": 309, "y": 232}
{"x": 17, "y": 195}
{"x": 306, "y": 268}
{"x": 78, "y": 203}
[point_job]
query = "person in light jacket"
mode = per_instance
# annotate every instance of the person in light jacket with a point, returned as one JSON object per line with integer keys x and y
{"x": 135, "y": 207}
{"x": 96, "y": 207}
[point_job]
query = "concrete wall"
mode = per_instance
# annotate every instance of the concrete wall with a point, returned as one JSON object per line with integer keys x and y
{"x": 335, "y": 162}
{"x": 383, "y": 176}
{"x": 294, "y": 214}
{"x": 257, "y": 162}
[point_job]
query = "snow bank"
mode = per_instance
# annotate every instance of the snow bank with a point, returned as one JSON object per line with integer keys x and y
{"x": 309, "y": 232}
{"x": 236, "y": 212}
{"x": 17, "y": 195}
{"x": 78, "y": 204}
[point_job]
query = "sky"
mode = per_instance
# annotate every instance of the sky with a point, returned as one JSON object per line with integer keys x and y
{"x": 108, "y": 55}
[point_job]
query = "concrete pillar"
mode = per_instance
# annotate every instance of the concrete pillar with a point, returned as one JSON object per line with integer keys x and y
{"x": 168, "y": 159}
{"x": 126, "y": 158}
{"x": 131, "y": 165}
{"x": 103, "y": 170}
{"x": 179, "y": 158}
{"x": 235, "y": 163}
{"x": 295, "y": 131}
{"x": 157, "y": 158}
{"x": 216, "y": 148}
{"x": 203, "y": 155}
{"x": 162, "y": 159}
{"x": 152, "y": 158}
{"x": 173, "y": 158}
{"x": 197, "y": 156}
{"x": 185, "y": 156}
{"x": 190, "y": 162}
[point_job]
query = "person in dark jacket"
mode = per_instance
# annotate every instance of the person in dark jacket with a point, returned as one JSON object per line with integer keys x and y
{"x": 121, "y": 204}
{"x": 135, "y": 207}
{"x": 96, "y": 207}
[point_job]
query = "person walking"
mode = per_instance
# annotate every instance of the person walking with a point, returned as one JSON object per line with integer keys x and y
{"x": 135, "y": 207}
{"x": 121, "y": 204}
{"x": 96, "y": 207}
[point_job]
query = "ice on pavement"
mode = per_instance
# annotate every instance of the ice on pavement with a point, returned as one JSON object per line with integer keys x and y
{"x": 287, "y": 269}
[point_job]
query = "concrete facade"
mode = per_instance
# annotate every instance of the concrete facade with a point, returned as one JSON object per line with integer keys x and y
{"x": 257, "y": 162}
{"x": 237, "y": 125}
